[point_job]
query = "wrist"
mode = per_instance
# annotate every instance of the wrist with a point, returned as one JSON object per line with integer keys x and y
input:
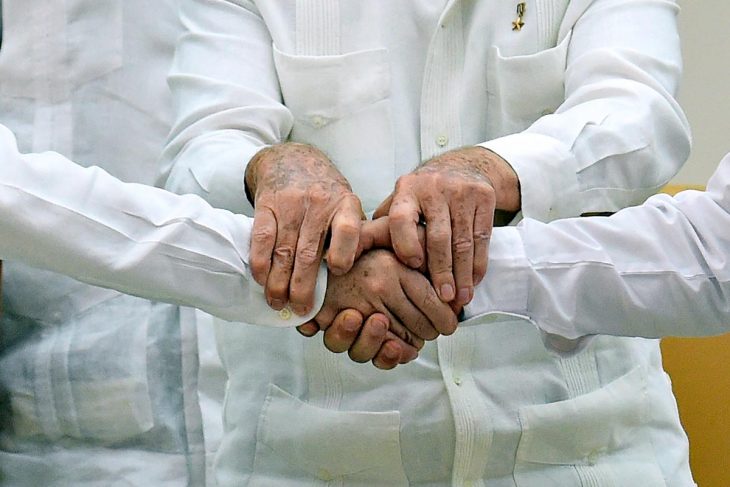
{"x": 504, "y": 179}
{"x": 251, "y": 173}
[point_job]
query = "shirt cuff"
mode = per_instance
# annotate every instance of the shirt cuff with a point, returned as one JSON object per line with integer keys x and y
{"x": 214, "y": 167}
{"x": 547, "y": 171}
{"x": 505, "y": 287}
{"x": 260, "y": 313}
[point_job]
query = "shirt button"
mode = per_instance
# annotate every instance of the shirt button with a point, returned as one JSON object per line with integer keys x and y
{"x": 457, "y": 381}
{"x": 442, "y": 140}
{"x": 285, "y": 314}
{"x": 318, "y": 121}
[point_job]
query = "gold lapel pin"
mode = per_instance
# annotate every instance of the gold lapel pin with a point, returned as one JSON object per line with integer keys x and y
{"x": 518, "y": 23}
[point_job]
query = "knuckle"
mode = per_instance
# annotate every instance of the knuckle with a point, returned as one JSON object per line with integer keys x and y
{"x": 284, "y": 254}
{"x": 262, "y": 235}
{"x": 319, "y": 197}
{"x": 483, "y": 236}
{"x": 377, "y": 287}
{"x": 307, "y": 256}
{"x": 462, "y": 245}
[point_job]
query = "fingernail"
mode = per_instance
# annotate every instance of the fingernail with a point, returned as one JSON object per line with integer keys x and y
{"x": 414, "y": 262}
{"x": 447, "y": 292}
{"x": 381, "y": 325}
{"x": 277, "y": 304}
{"x": 299, "y": 309}
{"x": 351, "y": 323}
{"x": 391, "y": 353}
{"x": 464, "y": 295}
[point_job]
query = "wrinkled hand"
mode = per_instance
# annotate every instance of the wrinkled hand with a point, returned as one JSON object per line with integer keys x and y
{"x": 379, "y": 286}
{"x": 299, "y": 196}
{"x": 364, "y": 340}
{"x": 455, "y": 194}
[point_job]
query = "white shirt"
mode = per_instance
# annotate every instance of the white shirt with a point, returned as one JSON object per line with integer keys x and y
{"x": 86, "y": 224}
{"x": 380, "y": 86}
{"x": 660, "y": 268}
{"x": 99, "y": 385}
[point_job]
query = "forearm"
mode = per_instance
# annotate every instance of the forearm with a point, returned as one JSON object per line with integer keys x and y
{"x": 227, "y": 109}
{"x": 655, "y": 270}
{"x": 145, "y": 241}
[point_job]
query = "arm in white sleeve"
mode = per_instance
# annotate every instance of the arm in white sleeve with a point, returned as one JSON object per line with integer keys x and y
{"x": 216, "y": 134}
{"x": 654, "y": 270}
{"x": 619, "y": 135}
{"x": 137, "y": 239}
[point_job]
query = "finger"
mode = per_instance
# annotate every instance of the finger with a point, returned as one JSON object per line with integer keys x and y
{"x": 384, "y": 208}
{"x": 374, "y": 234}
{"x": 404, "y": 216}
{"x": 401, "y": 331}
{"x": 462, "y": 248}
{"x": 371, "y": 338}
{"x": 308, "y": 329}
{"x": 483, "y": 222}
{"x": 282, "y": 263}
{"x": 420, "y": 292}
{"x": 389, "y": 355}
{"x": 263, "y": 238}
{"x": 407, "y": 313}
{"x": 345, "y": 236}
{"x": 438, "y": 250}
{"x": 394, "y": 351}
{"x": 343, "y": 332}
{"x": 308, "y": 256}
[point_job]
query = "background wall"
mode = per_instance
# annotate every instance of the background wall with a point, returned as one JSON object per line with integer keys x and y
{"x": 705, "y": 90}
{"x": 700, "y": 368}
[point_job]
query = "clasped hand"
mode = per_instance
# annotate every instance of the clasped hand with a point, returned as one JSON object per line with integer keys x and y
{"x": 382, "y": 304}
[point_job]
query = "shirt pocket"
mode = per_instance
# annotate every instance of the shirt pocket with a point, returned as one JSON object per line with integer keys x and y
{"x": 83, "y": 39}
{"x": 599, "y": 438}
{"x": 341, "y": 104}
{"x": 521, "y": 89}
{"x": 301, "y": 444}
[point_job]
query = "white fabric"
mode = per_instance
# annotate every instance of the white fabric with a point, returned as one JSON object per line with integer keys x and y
{"x": 653, "y": 270}
{"x": 379, "y": 86}
{"x": 145, "y": 241}
{"x": 100, "y": 387}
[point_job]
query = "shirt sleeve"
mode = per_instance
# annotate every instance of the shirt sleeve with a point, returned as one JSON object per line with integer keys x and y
{"x": 619, "y": 135}
{"x": 137, "y": 239}
{"x": 660, "y": 269}
{"x": 226, "y": 112}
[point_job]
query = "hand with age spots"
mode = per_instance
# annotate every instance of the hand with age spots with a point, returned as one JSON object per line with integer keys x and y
{"x": 299, "y": 198}
{"x": 400, "y": 305}
{"x": 456, "y": 195}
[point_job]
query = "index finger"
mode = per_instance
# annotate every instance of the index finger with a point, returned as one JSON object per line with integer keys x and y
{"x": 345, "y": 230}
{"x": 404, "y": 217}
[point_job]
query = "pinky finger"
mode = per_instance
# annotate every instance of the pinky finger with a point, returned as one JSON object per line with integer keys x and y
{"x": 308, "y": 329}
{"x": 263, "y": 239}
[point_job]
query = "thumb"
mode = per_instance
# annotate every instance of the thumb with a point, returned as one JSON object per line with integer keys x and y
{"x": 374, "y": 234}
{"x": 384, "y": 208}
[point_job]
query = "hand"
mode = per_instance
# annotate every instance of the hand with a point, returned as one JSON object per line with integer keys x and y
{"x": 456, "y": 194}
{"x": 299, "y": 196}
{"x": 368, "y": 341}
{"x": 379, "y": 283}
